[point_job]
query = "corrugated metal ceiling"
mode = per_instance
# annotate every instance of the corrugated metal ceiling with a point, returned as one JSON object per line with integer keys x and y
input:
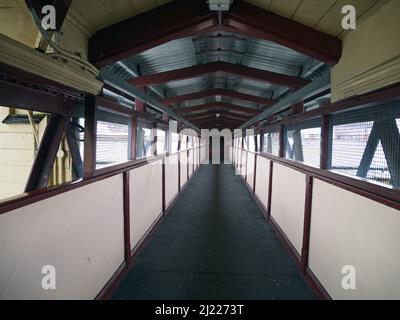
{"x": 226, "y": 47}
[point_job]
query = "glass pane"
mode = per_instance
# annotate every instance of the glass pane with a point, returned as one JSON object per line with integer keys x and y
{"x": 252, "y": 144}
{"x": 161, "y": 141}
{"x": 183, "y": 142}
{"x": 21, "y": 133}
{"x": 174, "y": 142}
{"x": 357, "y": 150}
{"x": 144, "y": 140}
{"x": 112, "y": 143}
{"x": 304, "y": 145}
{"x": 271, "y": 143}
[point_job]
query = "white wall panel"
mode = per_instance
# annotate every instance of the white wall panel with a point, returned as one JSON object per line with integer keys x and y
{"x": 348, "y": 229}
{"x": 288, "y": 201}
{"x": 183, "y": 159}
{"x": 190, "y": 161}
{"x": 80, "y": 233}
{"x": 145, "y": 198}
{"x": 244, "y": 163}
{"x": 250, "y": 169}
{"x": 262, "y": 180}
{"x": 171, "y": 178}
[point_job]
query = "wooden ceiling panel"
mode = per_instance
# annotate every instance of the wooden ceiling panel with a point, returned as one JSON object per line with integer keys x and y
{"x": 331, "y": 22}
{"x": 324, "y": 15}
{"x": 143, "y": 5}
{"x": 310, "y": 12}
{"x": 263, "y": 4}
{"x": 285, "y": 8}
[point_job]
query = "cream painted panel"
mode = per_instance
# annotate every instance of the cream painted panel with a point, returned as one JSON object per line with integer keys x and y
{"x": 348, "y": 229}
{"x": 311, "y": 11}
{"x": 197, "y": 156}
{"x": 80, "y": 233}
{"x": 183, "y": 158}
{"x": 244, "y": 163}
{"x": 331, "y": 21}
{"x": 371, "y": 54}
{"x": 146, "y": 199}
{"x": 250, "y": 170}
{"x": 171, "y": 179}
{"x": 285, "y": 8}
{"x": 262, "y": 180}
{"x": 238, "y": 162}
{"x": 288, "y": 200}
{"x": 190, "y": 161}
{"x": 229, "y": 155}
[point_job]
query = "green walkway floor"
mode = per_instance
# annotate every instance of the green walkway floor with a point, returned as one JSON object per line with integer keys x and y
{"x": 214, "y": 244}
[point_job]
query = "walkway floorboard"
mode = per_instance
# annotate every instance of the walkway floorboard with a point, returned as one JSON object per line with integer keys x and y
{"x": 214, "y": 244}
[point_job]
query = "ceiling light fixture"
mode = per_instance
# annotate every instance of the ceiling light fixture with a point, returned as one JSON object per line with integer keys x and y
{"x": 219, "y": 5}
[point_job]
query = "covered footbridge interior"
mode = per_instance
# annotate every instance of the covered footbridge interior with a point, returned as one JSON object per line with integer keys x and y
{"x": 193, "y": 149}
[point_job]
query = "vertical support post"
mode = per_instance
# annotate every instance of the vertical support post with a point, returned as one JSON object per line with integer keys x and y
{"x": 133, "y": 138}
{"x": 307, "y": 224}
{"x": 282, "y": 141}
{"x": 139, "y": 104}
{"x": 261, "y": 140}
{"x": 326, "y": 160}
{"x": 179, "y": 172}
{"x": 247, "y": 167}
{"x": 155, "y": 138}
{"x": 271, "y": 172}
{"x": 163, "y": 185}
{"x": 187, "y": 158}
{"x": 179, "y": 164}
{"x": 298, "y": 146}
{"x": 127, "y": 228}
{"x": 255, "y": 174}
{"x": 89, "y": 162}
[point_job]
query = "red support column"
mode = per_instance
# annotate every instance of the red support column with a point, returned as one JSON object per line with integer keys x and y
{"x": 133, "y": 138}
{"x": 127, "y": 232}
{"x": 307, "y": 224}
{"x": 282, "y": 141}
{"x": 271, "y": 172}
{"x": 325, "y": 140}
{"x": 140, "y": 105}
{"x": 89, "y": 162}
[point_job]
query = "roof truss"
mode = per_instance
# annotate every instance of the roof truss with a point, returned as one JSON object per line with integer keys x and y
{"x": 219, "y": 92}
{"x": 184, "y": 18}
{"x": 223, "y": 67}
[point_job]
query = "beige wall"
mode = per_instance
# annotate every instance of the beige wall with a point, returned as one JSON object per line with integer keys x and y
{"x": 80, "y": 233}
{"x": 348, "y": 229}
{"x": 250, "y": 170}
{"x": 371, "y": 55}
{"x": 262, "y": 180}
{"x": 17, "y": 153}
{"x": 17, "y": 23}
{"x": 171, "y": 178}
{"x": 287, "y": 203}
{"x": 183, "y": 161}
{"x": 145, "y": 199}
{"x": 244, "y": 164}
